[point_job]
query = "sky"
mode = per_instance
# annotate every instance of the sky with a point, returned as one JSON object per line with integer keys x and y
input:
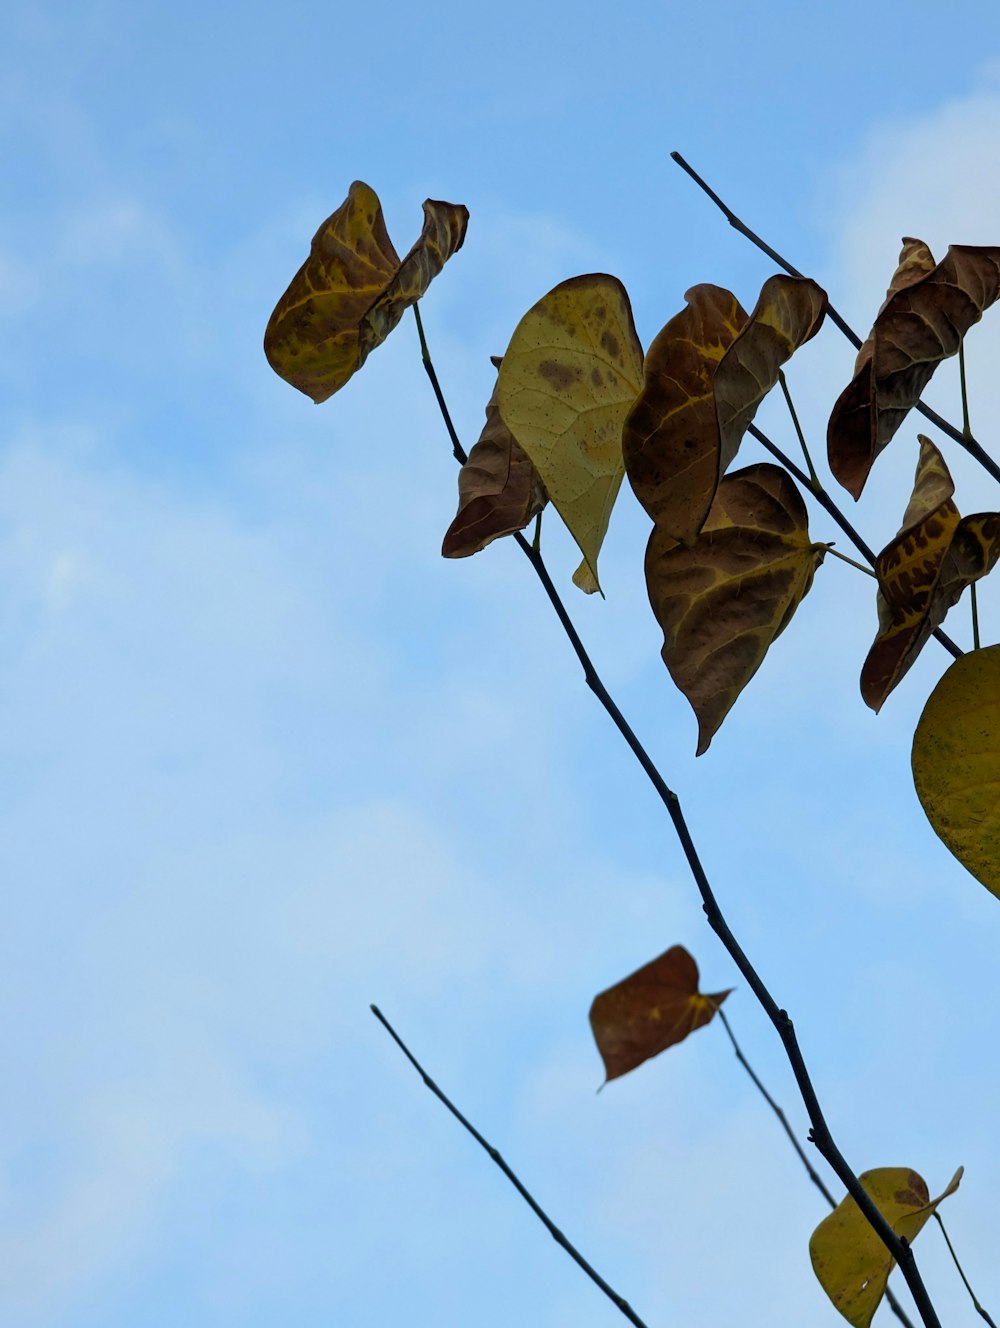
{"x": 267, "y": 757}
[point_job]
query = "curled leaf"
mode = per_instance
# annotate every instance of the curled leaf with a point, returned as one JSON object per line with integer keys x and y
{"x": 568, "y": 378}
{"x": 724, "y": 599}
{"x": 923, "y": 571}
{"x": 655, "y": 1007}
{"x": 352, "y": 290}
{"x": 498, "y": 489}
{"x": 850, "y": 1261}
{"x": 956, "y": 763}
{"x": 705, "y": 375}
{"x": 922, "y": 322}
{"x": 671, "y": 439}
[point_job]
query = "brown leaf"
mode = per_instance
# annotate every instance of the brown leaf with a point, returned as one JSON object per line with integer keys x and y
{"x": 671, "y": 437}
{"x": 922, "y": 322}
{"x": 498, "y": 489}
{"x": 923, "y": 571}
{"x": 915, "y": 261}
{"x": 723, "y": 600}
{"x": 788, "y": 313}
{"x": 352, "y": 290}
{"x": 442, "y": 235}
{"x": 654, "y": 1008}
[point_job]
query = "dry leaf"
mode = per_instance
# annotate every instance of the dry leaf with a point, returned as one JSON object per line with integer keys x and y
{"x": 956, "y": 763}
{"x": 850, "y": 1261}
{"x": 498, "y": 489}
{"x": 568, "y": 377}
{"x": 352, "y": 290}
{"x": 921, "y": 323}
{"x": 723, "y": 600}
{"x": 654, "y": 1008}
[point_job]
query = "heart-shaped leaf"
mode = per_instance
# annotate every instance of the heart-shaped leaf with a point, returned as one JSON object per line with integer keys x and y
{"x": 705, "y": 375}
{"x": 923, "y": 571}
{"x": 655, "y": 1007}
{"x": 850, "y": 1261}
{"x": 724, "y": 599}
{"x": 956, "y": 763}
{"x": 568, "y": 377}
{"x": 352, "y": 290}
{"x": 498, "y": 489}
{"x": 922, "y": 322}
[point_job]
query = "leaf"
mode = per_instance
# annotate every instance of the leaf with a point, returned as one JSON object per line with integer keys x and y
{"x": 850, "y": 1261}
{"x": 498, "y": 489}
{"x": 656, "y": 1007}
{"x": 705, "y": 375}
{"x": 568, "y": 378}
{"x": 923, "y": 571}
{"x": 671, "y": 439}
{"x": 956, "y": 763}
{"x": 908, "y": 569}
{"x": 922, "y": 322}
{"x": 352, "y": 290}
{"x": 723, "y": 600}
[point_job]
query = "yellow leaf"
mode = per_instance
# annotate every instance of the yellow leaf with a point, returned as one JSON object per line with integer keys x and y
{"x": 850, "y": 1261}
{"x": 923, "y": 320}
{"x": 568, "y": 377}
{"x": 652, "y": 1009}
{"x": 724, "y": 599}
{"x": 956, "y": 763}
{"x": 352, "y": 290}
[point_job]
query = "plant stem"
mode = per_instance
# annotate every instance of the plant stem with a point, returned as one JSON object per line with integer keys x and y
{"x": 827, "y": 503}
{"x": 893, "y": 1303}
{"x": 618, "y": 1301}
{"x": 964, "y": 440}
{"x": 798, "y": 429}
{"x": 951, "y": 1250}
{"x": 975, "y": 616}
{"x": 819, "y": 1134}
{"x": 965, "y": 391}
{"x": 850, "y": 561}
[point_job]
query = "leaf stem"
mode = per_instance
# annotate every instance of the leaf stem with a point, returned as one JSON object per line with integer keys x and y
{"x": 965, "y": 391}
{"x": 819, "y": 1134}
{"x": 964, "y": 440}
{"x": 850, "y": 561}
{"x": 894, "y": 1304}
{"x": 798, "y": 429}
{"x": 951, "y": 1250}
{"x": 618, "y": 1301}
{"x": 827, "y": 503}
{"x": 975, "y": 616}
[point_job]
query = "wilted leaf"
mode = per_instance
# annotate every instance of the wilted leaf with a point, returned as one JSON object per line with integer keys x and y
{"x": 568, "y": 378}
{"x": 908, "y": 569}
{"x": 923, "y": 571}
{"x": 441, "y": 236}
{"x": 722, "y": 601}
{"x": 956, "y": 763}
{"x": 671, "y": 439}
{"x": 318, "y": 334}
{"x": 922, "y": 322}
{"x": 915, "y": 261}
{"x": 850, "y": 1261}
{"x": 654, "y": 1008}
{"x": 705, "y": 375}
{"x": 498, "y": 490}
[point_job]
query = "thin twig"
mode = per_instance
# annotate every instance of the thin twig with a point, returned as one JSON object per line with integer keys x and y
{"x": 798, "y": 429}
{"x": 975, "y": 616}
{"x": 819, "y": 1134}
{"x": 851, "y": 562}
{"x": 618, "y": 1301}
{"x": 951, "y": 1250}
{"x": 970, "y": 444}
{"x": 966, "y": 430}
{"x": 893, "y": 1303}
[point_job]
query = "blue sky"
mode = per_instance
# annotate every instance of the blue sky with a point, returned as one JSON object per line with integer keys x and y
{"x": 266, "y": 757}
